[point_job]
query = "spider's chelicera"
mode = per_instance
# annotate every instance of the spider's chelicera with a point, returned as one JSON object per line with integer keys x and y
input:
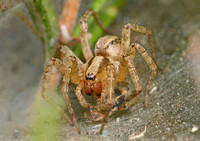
{"x": 101, "y": 73}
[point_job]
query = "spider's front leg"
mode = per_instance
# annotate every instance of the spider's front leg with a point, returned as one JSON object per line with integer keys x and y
{"x": 77, "y": 76}
{"x": 84, "y": 32}
{"x": 71, "y": 64}
{"x": 110, "y": 93}
{"x": 45, "y": 84}
{"x": 67, "y": 52}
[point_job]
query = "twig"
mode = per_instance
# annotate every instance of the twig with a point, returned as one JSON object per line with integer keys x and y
{"x": 67, "y": 20}
{"x": 133, "y": 136}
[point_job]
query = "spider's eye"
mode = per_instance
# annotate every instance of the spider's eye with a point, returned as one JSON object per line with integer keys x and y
{"x": 90, "y": 74}
{"x": 112, "y": 42}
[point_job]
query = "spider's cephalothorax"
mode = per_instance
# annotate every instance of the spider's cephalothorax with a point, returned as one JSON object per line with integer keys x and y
{"x": 102, "y": 73}
{"x": 108, "y": 46}
{"x": 107, "y": 49}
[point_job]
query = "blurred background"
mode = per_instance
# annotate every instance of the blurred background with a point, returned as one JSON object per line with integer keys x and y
{"x": 30, "y": 32}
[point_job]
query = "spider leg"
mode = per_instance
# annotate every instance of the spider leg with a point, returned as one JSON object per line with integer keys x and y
{"x": 134, "y": 94}
{"x": 136, "y": 28}
{"x": 45, "y": 85}
{"x": 80, "y": 97}
{"x": 129, "y": 56}
{"x": 96, "y": 17}
{"x": 101, "y": 103}
{"x": 96, "y": 116}
{"x": 84, "y": 32}
{"x": 133, "y": 73}
{"x": 66, "y": 78}
{"x": 151, "y": 65}
{"x": 110, "y": 93}
{"x": 67, "y": 52}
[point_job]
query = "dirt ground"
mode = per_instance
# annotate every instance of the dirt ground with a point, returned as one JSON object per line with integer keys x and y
{"x": 174, "y": 104}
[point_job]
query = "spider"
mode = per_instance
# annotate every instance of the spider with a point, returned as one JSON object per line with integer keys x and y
{"x": 101, "y": 73}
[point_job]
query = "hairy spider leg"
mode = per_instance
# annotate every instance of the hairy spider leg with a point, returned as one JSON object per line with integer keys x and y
{"x": 133, "y": 73}
{"x": 80, "y": 97}
{"x": 67, "y": 52}
{"x": 137, "y": 28}
{"x": 84, "y": 32}
{"x": 129, "y": 98}
{"x": 45, "y": 84}
{"x": 110, "y": 93}
{"x": 65, "y": 86}
{"x": 102, "y": 105}
{"x": 125, "y": 48}
{"x": 151, "y": 65}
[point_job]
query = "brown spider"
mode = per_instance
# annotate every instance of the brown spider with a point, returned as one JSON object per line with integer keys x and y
{"x": 101, "y": 73}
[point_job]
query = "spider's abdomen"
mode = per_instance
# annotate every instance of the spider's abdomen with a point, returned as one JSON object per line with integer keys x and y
{"x": 92, "y": 86}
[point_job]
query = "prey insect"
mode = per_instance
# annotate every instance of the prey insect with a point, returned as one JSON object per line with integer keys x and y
{"x": 102, "y": 72}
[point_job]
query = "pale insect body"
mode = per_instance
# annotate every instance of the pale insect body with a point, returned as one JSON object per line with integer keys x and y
{"x": 102, "y": 73}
